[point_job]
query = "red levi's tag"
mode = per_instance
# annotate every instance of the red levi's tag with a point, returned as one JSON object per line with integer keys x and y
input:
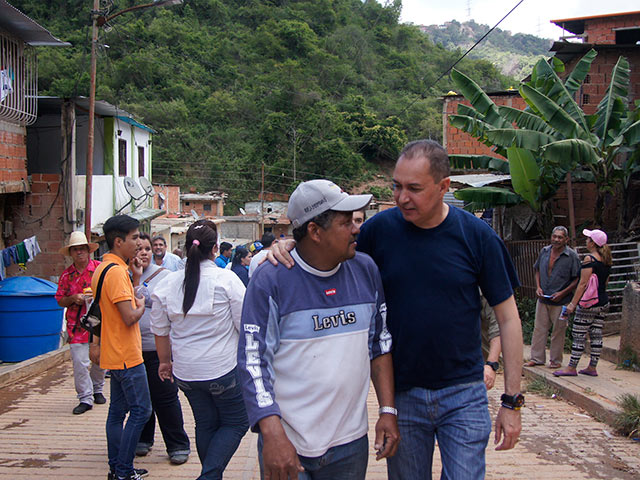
{"x": 329, "y": 292}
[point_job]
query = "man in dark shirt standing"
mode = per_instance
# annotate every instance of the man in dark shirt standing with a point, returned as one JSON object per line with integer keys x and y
{"x": 557, "y": 273}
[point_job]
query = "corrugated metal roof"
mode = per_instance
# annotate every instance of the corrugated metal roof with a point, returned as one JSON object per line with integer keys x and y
{"x": 18, "y": 24}
{"x": 479, "y": 179}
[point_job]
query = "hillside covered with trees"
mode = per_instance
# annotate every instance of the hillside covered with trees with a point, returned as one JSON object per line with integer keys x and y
{"x": 515, "y": 55}
{"x": 329, "y": 88}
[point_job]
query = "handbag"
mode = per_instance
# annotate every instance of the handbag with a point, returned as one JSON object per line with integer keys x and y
{"x": 92, "y": 320}
{"x": 590, "y": 296}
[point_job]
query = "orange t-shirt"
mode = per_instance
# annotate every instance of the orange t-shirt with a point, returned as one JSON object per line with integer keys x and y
{"x": 120, "y": 345}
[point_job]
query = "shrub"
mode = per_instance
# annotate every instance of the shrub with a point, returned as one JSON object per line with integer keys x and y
{"x": 627, "y": 422}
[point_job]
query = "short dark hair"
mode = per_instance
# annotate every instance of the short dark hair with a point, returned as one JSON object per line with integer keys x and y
{"x": 323, "y": 221}
{"x": 241, "y": 252}
{"x": 267, "y": 239}
{"x": 118, "y": 226}
{"x": 145, "y": 236}
{"x": 431, "y": 150}
{"x": 159, "y": 237}
{"x": 224, "y": 246}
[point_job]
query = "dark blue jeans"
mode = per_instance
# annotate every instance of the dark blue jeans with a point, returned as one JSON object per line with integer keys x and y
{"x": 342, "y": 462}
{"x": 166, "y": 406}
{"x": 129, "y": 393}
{"x": 457, "y": 416}
{"x": 221, "y": 421}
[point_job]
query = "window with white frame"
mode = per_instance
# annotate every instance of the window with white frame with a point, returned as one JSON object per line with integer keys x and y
{"x": 18, "y": 80}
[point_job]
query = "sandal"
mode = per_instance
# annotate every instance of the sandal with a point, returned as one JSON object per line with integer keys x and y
{"x": 532, "y": 363}
{"x": 555, "y": 365}
{"x": 564, "y": 373}
{"x": 591, "y": 373}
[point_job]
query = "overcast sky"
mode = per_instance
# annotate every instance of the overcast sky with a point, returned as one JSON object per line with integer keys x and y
{"x": 532, "y": 16}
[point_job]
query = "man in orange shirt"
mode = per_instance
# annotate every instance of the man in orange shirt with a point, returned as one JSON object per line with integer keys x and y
{"x": 121, "y": 346}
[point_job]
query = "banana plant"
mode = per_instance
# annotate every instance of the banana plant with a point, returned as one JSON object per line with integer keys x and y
{"x": 553, "y": 135}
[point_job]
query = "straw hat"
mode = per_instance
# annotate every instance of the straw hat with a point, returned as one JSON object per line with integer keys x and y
{"x": 77, "y": 239}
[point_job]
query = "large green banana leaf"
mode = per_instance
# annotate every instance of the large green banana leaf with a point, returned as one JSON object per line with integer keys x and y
{"x": 525, "y": 120}
{"x": 556, "y": 91}
{"x": 569, "y": 153}
{"x": 631, "y": 134}
{"x": 479, "y": 161}
{"x": 609, "y": 111}
{"x": 473, "y": 126}
{"x": 480, "y": 100}
{"x": 509, "y": 137}
{"x": 525, "y": 175}
{"x": 470, "y": 111}
{"x": 553, "y": 114}
{"x": 481, "y": 198}
{"x": 579, "y": 72}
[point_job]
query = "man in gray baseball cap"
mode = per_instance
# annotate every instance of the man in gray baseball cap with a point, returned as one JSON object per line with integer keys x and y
{"x": 319, "y": 329}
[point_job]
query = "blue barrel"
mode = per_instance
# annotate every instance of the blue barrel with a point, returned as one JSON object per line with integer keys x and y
{"x": 30, "y": 318}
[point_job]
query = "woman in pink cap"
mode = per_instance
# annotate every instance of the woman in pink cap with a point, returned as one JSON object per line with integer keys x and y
{"x": 589, "y": 319}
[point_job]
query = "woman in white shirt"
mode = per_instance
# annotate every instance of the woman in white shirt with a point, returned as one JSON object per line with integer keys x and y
{"x": 196, "y": 319}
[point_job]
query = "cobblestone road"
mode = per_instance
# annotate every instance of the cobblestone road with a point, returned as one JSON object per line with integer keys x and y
{"x": 41, "y": 439}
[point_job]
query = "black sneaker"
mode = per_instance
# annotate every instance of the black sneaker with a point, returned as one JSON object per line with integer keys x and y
{"x": 137, "y": 474}
{"x": 81, "y": 408}
{"x": 99, "y": 399}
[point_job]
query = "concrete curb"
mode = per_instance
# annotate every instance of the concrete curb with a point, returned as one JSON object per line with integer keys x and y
{"x": 597, "y": 406}
{"x": 13, "y": 373}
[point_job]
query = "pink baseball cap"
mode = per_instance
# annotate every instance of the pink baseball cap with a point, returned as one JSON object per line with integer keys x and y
{"x": 598, "y": 236}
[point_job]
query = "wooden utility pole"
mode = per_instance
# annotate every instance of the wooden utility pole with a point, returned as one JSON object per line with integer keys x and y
{"x": 262, "y": 203}
{"x": 572, "y": 217}
{"x": 92, "y": 110}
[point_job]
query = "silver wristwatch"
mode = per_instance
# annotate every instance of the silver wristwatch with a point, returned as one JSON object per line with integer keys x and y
{"x": 390, "y": 410}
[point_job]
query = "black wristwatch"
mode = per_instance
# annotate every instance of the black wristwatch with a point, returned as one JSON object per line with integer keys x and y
{"x": 494, "y": 365}
{"x": 512, "y": 402}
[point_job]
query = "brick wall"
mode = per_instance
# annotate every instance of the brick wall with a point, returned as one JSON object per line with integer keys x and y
{"x": 172, "y": 198}
{"x": 25, "y": 211}
{"x": 13, "y": 153}
{"x": 600, "y": 30}
{"x": 584, "y": 202}
{"x": 459, "y": 142}
{"x": 595, "y": 86}
{"x": 217, "y": 207}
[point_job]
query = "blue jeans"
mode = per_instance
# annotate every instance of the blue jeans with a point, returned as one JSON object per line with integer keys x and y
{"x": 129, "y": 393}
{"x": 457, "y": 416}
{"x": 342, "y": 462}
{"x": 221, "y": 421}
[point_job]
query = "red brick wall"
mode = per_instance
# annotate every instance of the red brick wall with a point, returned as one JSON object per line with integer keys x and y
{"x": 600, "y": 30}
{"x": 584, "y": 202}
{"x": 459, "y": 142}
{"x": 13, "y": 156}
{"x": 23, "y": 210}
{"x": 172, "y": 197}
{"x": 217, "y": 207}
{"x": 600, "y": 76}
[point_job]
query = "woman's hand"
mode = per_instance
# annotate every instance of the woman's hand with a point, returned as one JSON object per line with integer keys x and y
{"x": 165, "y": 371}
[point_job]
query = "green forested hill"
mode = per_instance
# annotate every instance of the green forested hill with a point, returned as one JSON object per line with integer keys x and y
{"x": 337, "y": 85}
{"x": 514, "y": 55}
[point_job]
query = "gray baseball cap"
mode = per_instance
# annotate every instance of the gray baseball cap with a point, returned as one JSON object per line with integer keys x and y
{"x": 314, "y": 197}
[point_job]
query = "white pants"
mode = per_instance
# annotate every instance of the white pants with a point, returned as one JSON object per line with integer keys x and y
{"x": 88, "y": 381}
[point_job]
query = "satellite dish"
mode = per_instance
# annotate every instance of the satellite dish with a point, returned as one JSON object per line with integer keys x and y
{"x": 195, "y": 215}
{"x": 146, "y": 186}
{"x": 161, "y": 196}
{"x": 242, "y": 211}
{"x": 133, "y": 189}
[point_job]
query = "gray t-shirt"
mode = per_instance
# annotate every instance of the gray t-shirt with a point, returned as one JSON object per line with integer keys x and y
{"x": 148, "y": 338}
{"x": 564, "y": 271}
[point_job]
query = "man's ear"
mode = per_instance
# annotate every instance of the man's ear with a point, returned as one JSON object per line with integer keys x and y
{"x": 313, "y": 232}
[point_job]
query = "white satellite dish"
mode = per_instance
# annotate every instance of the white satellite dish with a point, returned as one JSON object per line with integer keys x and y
{"x": 242, "y": 211}
{"x": 195, "y": 215}
{"x": 146, "y": 186}
{"x": 161, "y": 196}
{"x": 133, "y": 189}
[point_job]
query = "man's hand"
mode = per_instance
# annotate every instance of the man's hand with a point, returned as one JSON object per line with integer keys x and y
{"x": 387, "y": 436}
{"x": 135, "y": 265}
{"x": 139, "y": 301}
{"x": 78, "y": 299}
{"x": 279, "y": 252}
{"x": 279, "y": 456}
{"x": 94, "y": 353}
{"x": 489, "y": 377}
{"x": 508, "y": 422}
{"x": 555, "y": 297}
{"x": 165, "y": 371}
{"x": 539, "y": 292}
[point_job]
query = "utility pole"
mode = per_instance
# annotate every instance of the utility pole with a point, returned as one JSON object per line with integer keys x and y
{"x": 262, "y": 204}
{"x": 92, "y": 110}
{"x": 295, "y": 147}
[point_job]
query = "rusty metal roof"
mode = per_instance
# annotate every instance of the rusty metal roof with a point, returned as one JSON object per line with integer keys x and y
{"x": 19, "y": 25}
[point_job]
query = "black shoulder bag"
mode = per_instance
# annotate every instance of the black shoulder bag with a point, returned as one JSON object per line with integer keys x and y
{"x": 92, "y": 320}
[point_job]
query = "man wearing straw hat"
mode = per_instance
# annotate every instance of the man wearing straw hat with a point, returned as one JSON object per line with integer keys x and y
{"x": 88, "y": 377}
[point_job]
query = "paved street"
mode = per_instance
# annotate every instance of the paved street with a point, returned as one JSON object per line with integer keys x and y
{"x": 41, "y": 439}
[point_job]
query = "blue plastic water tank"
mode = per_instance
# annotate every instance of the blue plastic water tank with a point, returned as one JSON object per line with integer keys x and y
{"x": 30, "y": 318}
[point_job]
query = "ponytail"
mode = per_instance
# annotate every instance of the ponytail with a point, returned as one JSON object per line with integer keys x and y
{"x": 202, "y": 236}
{"x": 605, "y": 254}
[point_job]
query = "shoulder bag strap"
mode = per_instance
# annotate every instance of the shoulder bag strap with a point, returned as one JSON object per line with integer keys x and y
{"x": 151, "y": 277}
{"x": 96, "y": 298}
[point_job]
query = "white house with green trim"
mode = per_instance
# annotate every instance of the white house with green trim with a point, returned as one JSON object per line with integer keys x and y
{"x": 122, "y": 160}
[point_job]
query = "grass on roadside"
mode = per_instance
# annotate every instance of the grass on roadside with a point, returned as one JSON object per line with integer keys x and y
{"x": 628, "y": 420}
{"x": 541, "y": 386}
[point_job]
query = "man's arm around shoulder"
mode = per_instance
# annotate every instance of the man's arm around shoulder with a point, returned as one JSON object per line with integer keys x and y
{"x": 387, "y": 433}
